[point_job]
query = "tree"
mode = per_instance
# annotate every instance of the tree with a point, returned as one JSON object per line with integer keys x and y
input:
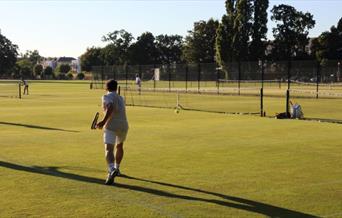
{"x": 259, "y": 29}
{"x": 37, "y": 70}
{"x": 199, "y": 45}
{"x": 8, "y": 55}
{"x": 33, "y": 56}
{"x": 329, "y": 44}
{"x": 48, "y": 71}
{"x": 339, "y": 25}
{"x": 92, "y": 57}
{"x": 110, "y": 55}
{"x": 291, "y": 32}
{"x": 64, "y": 68}
{"x": 144, "y": 50}
{"x": 121, "y": 40}
{"x": 25, "y": 68}
{"x": 169, "y": 49}
{"x": 242, "y": 29}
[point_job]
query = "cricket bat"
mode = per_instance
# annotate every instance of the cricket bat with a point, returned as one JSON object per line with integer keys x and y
{"x": 93, "y": 124}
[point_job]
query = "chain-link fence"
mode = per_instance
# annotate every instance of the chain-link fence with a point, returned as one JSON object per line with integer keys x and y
{"x": 317, "y": 87}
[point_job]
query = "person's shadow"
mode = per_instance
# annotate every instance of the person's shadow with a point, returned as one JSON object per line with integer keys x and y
{"x": 225, "y": 201}
{"x": 36, "y": 127}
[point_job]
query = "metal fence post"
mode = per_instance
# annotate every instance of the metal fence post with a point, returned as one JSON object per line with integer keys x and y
{"x": 318, "y": 72}
{"x": 287, "y": 101}
{"x": 19, "y": 90}
{"x": 239, "y": 76}
{"x": 262, "y": 102}
{"x": 169, "y": 72}
{"x": 218, "y": 80}
{"x": 199, "y": 78}
{"x": 126, "y": 75}
{"x": 186, "y": 77}
{"x": 154, "y": 77}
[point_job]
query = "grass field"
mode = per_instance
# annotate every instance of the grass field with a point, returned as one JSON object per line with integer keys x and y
{"x": 191, "y": 164}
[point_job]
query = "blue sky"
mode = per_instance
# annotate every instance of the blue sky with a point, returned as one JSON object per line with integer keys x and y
{"x": 67, "y": 28}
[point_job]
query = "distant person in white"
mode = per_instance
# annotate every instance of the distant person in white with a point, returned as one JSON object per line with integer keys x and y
{"x": 26, "y": 86}
{"x": 296, "y": 111}
{"x": 138, "y": 82}
{"x": 115, "y": 129}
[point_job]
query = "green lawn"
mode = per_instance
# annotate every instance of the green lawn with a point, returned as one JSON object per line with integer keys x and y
{"x": 191, "y": 164}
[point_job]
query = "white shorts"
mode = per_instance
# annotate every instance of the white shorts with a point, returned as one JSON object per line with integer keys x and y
{"x": 114, "y": 138}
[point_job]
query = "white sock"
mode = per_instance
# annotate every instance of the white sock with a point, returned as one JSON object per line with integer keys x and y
{"x": 111, "y": 167}
{"x": 116, "y": 166}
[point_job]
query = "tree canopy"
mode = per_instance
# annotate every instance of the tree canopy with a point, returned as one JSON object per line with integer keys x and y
{"x": 8, "y": 55}
{"x": 291, "y": 31}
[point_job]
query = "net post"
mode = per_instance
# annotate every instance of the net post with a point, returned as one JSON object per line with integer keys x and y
{"x": 186, "y": 77}
{"x": 154, "y": 77}
{"x": 177, "y": 106}
{"x": 140, "y": 76}
{"x": 199, "y": 78}
{"x": 169, "y": 72}
{"x": 287, "y": 101}
{"x": 19, "y": 90}
{"x": 218, "y": 80}
{"x": 317, "y": 78}
{"x": 119, "y": 90}
{"x": 261, "y": 63}
{"x": 126, "y": 75}
{"x": 239, "y": 79}
{"x": 261, "y": 102}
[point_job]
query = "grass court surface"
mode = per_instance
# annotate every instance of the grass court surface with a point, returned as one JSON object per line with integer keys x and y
{"x": 191, "y": 164}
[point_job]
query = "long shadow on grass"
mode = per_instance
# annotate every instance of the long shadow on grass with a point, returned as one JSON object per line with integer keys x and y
{"x": 36, "y": 127}
{"x": 229, "y": 201}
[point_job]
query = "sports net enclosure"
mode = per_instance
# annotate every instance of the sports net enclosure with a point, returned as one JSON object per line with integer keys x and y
{"x": 235, "y": 88}
{"x": 10, "y": 88}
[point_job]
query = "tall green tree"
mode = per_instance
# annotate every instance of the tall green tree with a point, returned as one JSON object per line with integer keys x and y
{"x": 329, "y": 44}
{"x": 225, "y": 34}
{"x": 120, "y": 41}
{"x": 110, "y": 55}
{"x": 199, "y": 46}
{"x": 144, "y": 50}
{"x": 37, "y": 70}
{"x": 92, "y": 57}
{"x": 25, "y": 68}
{"x": 259, "y": 29}
{"x": 242, "y": 29}
{"x": 291, "y": 32}
{"x": 169, "y": 48}
{"x": 8, "y": 55}
{"x": 33, "y": 56}
{"x": 64, "y": 68}
{"x": 47, "y": 73}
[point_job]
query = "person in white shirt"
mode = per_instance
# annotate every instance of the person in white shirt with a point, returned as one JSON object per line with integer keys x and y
{"x": 296, "y": 111}
{"x": 138, "y": 83}
{"x": 26, "y": 86}
{"x": 115, "y": 127}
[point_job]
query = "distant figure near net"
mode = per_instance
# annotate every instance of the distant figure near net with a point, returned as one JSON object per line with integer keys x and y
{"x": 115, "y": 129}
{"x": 138, "y": 83}
{"x": 26, "y": 87}
{"x": 296, "y": 111}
